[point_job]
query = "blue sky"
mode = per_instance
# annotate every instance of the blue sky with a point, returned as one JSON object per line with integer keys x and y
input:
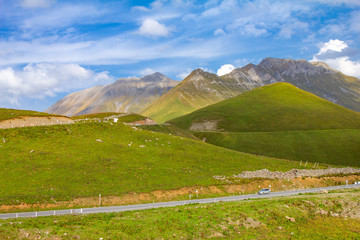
{"x": 50, "y": 48}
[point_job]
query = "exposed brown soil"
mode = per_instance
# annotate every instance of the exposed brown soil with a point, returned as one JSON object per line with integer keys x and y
{"x": 293, "y": 173}
{"x": 183, "y": 193}
{"x": 34, "y": 121}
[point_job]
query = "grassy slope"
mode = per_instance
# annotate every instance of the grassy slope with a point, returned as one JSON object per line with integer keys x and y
{"x": 65, "y": 162}
{"x": 8, "y": 113}
{"x": 169, "y": 129}
{"x": 127, "y": 118}
{"x": 95, "y": 115}
{"x": 254, "y": 219}
{"x": 341, "y": 146}
{"x": 196, "y": 91}
{"x": 275, "y": 107}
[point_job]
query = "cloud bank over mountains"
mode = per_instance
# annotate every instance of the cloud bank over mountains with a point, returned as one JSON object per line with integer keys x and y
{"x": 41, "y": 80}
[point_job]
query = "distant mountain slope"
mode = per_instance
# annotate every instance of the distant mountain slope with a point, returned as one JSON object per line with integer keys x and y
{"x": 125, "y": 95}
{"x": 275, "y": 107}
{"x": 315, "y": 77}
{"x": 196, "y": 91}
{"x": 201, "y": 89}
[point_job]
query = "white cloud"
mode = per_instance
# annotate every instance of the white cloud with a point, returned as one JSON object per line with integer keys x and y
{"x": 146, "y": 71}
{"x": 253, "y": 30}
{"x": 37, "y": 3}
{"x": 337, "y": 53}
{"x": 151, "y": 27}
{"x": 219, "y": 31}
{"x": 184, "y": 74}
{"x": 333, "y": 45}
{"x": 225, "y": 69}
{"x": 41, "y": 80}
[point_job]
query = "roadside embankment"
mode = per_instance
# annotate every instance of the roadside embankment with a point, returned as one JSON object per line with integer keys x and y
{"x": 293, "y": 173}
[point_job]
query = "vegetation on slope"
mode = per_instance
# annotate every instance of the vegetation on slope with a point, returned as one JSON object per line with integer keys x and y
{"x": 274, "y": 107}
{"x": 8, "y": 113}
{"x": 321, "y": 216}
{"x": 122, "y": 117}
{"x": 196, "y": 91}
{"x": 168, "y": 129}
{"x": 63, "y": 162}
{"x": 339, "y": 146}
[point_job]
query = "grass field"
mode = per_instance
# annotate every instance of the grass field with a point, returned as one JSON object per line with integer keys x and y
{"x": 63, "y": 162}
{"x": 274, "y": 107}
{"x": 127, "y": 118}
{"x": 320, "y": 216}
{"x": 339, "y": 146}
{"x": 8, "y": 113}
{"x": 168, "y": 129}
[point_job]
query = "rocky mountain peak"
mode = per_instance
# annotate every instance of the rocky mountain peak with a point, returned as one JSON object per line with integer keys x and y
{"x": 155, "y": 77}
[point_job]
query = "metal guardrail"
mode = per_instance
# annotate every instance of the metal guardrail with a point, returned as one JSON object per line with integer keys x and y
{"x": 167, "y": 204}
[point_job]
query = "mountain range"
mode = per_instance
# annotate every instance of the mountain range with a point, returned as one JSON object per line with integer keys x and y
{"x": 124, "y": 95}
{"x": 160, "y": 100}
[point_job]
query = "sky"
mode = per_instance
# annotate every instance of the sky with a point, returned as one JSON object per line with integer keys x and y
{"x": 50, "y": 48}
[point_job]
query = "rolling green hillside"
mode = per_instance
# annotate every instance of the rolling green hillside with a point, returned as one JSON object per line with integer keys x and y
{"x": 168, "y": 129}
{"x": 121, "y": 116}
{"x": 8, "y": 113}
{"x": 339, "y": 146}
{"x": 63, "y": 162}
{"x": 274, "y": 107}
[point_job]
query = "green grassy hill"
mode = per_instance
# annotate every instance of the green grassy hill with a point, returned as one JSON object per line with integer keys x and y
{"x": 274, "y": 107}
{"x": 63, "y": 162}
{"x": 338, "y": 146}
{"x": 280, "y": 120}
{"x": 125, "y": 118}
{"x": 8, "y": 113}
{"x": 168, "y": 129}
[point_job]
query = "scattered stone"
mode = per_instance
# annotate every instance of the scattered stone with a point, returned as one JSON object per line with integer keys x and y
{"x": 325, "y": 191}
{"x": 31, "y": 151}
{"x": 291, "y": 219}
{"x": 280, "y": 227}
{"x": 142, "y": 146}
{"x": 99, "y": 140}
{"x": 310, "y": 203}
{"x": 334, "y": 214}
{"x": 322, "y": 212}
{"x": 265, "y": 173}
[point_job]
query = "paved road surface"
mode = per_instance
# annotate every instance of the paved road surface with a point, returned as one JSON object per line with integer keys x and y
{"x": 167, "y": 204}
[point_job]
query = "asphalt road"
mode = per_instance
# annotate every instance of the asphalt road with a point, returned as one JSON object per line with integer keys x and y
{"x": 168, "y": 204}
